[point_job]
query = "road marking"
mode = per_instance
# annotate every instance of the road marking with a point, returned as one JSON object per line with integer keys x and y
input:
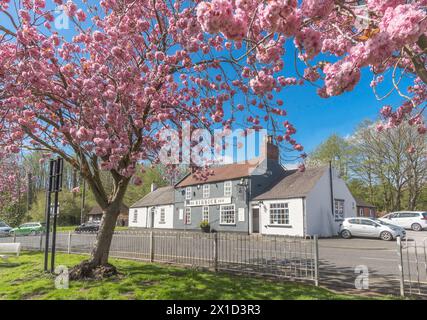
{"x": 387, "y": 259}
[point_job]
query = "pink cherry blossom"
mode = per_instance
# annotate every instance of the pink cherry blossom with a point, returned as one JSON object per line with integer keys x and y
{"x": 317, "y": 8}
{"x": 263, "y": 83}
{"x": 403, "y": 24}
{"x": 340, "y": 77}
{"x": 308, "y": 40}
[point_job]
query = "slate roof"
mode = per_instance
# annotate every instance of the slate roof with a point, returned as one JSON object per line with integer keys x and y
{"x": 293, "y": 184}
{"x": 160, "y": 196}
{"x": 290, "y": 184}
{"x": 221, "y": 173}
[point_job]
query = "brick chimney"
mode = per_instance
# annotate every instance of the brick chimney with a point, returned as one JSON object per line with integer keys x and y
{"x": 272, "y": 149}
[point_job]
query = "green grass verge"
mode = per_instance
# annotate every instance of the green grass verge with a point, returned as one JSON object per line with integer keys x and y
{"x": 23, "y": 278}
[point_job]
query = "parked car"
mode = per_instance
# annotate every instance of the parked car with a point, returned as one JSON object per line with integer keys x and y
{"x": 4, "y": 229}
{"x": 415, "y": 220}
{"x": 29, "y": 229}
{"x": 370, "y": 228}
{"x": 88, "y": 227}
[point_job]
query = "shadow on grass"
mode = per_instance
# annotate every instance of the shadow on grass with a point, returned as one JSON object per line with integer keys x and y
{"x": 175, "y": 283}
{"x": 7, "y": 264}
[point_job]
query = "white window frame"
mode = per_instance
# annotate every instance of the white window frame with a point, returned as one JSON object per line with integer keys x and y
{"x": 228, "y": 188}
{"x": 187, "y": 215}
{"x": 221, "y": 211}
{"x": 188, "y": 193}
{"x": 206, "y": 191}
{"x": 205, "y": 213}
{"x": 162, "y": 218}
{"x": 135, "y": 216}
{"x": 339, "y": 209}
{"x": 275, "y": 212}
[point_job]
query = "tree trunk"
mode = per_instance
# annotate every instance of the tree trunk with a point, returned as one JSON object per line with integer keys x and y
{"x": 29, "y": 191}
{"x": 74, "y": 183}
{"x": 102, "y": 245}
{"x": 97, "y": 267}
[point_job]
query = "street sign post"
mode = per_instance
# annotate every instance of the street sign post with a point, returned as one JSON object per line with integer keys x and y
{"x": 54, "y": 186}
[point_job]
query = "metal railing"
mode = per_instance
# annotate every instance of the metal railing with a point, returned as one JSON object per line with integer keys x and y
{"x": 413, "y": 267}
{"x": 273, "y": 256}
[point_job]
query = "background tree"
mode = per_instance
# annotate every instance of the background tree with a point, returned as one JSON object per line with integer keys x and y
{"x": 387, "y": 168}
{"x": 12, "y": 189}
{"x": 395, "y": 159}
{"x": 336, "y": 150}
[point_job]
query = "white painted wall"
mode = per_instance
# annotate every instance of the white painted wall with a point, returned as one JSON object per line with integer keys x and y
{"x": 144, "y": 219}
{"x": 169, "y": 210}
{"x": 296, "y": 221}
{"x": 319, "y": 218}
{"x": 141, "y": 221}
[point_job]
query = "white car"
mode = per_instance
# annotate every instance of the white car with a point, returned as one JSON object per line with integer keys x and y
{"x": 415, "y": 220}
{"x": 370, "y": 228}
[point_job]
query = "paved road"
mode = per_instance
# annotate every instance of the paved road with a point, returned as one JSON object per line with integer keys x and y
{"x": 338, "y": 257}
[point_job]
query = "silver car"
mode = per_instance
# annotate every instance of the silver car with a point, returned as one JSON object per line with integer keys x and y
{"x": 415, "y": 220}
{"x": 370, "y": 228}
{"x": 4, "y": 229}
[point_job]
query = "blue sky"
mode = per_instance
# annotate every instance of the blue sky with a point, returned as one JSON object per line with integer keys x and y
{"x": 317, "y": 118}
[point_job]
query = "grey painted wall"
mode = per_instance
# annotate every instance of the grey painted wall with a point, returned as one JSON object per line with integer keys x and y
{"x": 241, "y": 196}
{"x": 238, "y": 197}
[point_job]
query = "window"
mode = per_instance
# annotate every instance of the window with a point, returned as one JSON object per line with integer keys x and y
{"x": 205, "y": 215}
{"x": 206, "y": 191}
{"x": 361, "y": 212}
{"x": 187, "y": 218}
{"x": 407, "y": 215}
{"x": 135, "y": 216}
{"x": 188, "y": 193}
{"x": 354, "y": 221}
{"x": 227, "y": 214}
{"x": 162, "y": 215}
{"x": 279, "y": 213}
{"x": 339, "y": 210}
{"x": 228, "y": 188}
{"x": 368, "y": 222}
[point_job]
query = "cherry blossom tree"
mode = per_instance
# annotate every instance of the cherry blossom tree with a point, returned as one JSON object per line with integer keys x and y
{"x": 12, "y": 181}
{"x": 98, "y": 94}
